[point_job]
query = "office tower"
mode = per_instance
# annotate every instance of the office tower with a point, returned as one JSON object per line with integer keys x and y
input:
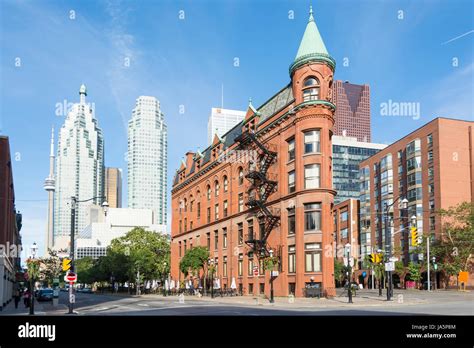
{"x": 147, "y": 158}
{"x": 221, "y": 121}
{"x": 113, "y": 187}
{"x": 347, "y": 153}
{"x": 79, "y": 169}
{"x": 352, "y": 110}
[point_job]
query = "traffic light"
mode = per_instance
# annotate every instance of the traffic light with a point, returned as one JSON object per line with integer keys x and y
{"x": 378, "y": 258}
{"x": 414, "y": 236}
{"x": 372, "y": 258}
{"x": 66, "y": 264}
{"x": 375, "y": 258}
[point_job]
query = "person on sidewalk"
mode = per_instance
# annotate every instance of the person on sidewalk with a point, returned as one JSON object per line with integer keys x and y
{"x": 17, "y": 297}
{"x": 26, "y": 298}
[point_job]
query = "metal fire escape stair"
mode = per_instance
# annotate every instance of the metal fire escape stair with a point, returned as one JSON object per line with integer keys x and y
{"x": 262, "y": 186}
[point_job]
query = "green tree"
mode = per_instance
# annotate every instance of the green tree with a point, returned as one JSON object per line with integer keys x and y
{"x": 194, "y": 260}
{"x": 401, "y": 271}
{"x": 85, "y": 269}
{"x": 454, "y": 249}
{"x": 339, "y": 271}
{"x": 414, "y": 272}
{"x": 146, "y": 252}
{"x": 50, "y": 267}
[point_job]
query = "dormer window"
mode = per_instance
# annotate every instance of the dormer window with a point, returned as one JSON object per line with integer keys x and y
{"x": 311, "y": 89}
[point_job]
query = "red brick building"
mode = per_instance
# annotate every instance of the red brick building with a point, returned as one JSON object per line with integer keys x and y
{"x": 353, "y": 110}
{"x": 276, "y": 197}
{"x": 10, "y": 225}
{"x": 432, "y": 167}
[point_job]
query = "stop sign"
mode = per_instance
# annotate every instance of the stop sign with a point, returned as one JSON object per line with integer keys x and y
{"x": 71, "y": 277}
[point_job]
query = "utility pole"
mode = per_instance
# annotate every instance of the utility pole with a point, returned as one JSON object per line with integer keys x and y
{"x": 71, "y": 251}
{"x": 428, "y": 260}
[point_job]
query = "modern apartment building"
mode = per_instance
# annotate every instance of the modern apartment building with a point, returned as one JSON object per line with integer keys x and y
{"x": 147, "y": 158}
{"x": 432, "y": 167}
{"x": 347, "y": 153}
{"x": 113, "y": 187}
{"x": 264, "y": 189}
{"x": 352, "y": 110}
{"x": 79, "y": 169}
{"x": 221, "y": 121}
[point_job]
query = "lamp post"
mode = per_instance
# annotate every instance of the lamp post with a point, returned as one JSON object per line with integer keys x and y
{"x": 74, "y": 202}
{"x": 388, "y": 242}
{"x": 164, "y": 278}
{"x": 272, "y": 300}
{"x": 210, "y": 262}
{"x": 349, "y": 271}
{"x": 34, "y": 249}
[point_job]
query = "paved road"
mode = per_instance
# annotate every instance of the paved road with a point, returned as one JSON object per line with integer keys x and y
{"x": 419, "y": 303}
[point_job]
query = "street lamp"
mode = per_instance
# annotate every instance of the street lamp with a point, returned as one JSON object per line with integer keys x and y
{"x": 349, "y": 271}
{"x": 34, "y": 249}
{"x": 388, "y": 241}
{"x": 74, "y": 202}
{"x": 164, "y": 279}
{"x": 210, "y": 262}
{"x": 271, "y": 279}
{"x": 105, "y": 207}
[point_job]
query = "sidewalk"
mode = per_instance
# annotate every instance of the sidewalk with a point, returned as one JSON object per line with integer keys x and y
{"x": 41, "y": 308}
{"x": 361, "y": 300}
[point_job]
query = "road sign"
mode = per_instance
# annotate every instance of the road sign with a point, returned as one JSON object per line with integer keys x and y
{"x": 71, "y": 277}
{"x": 435, "y": 266}
{"x": 351, "y": 262}
{"x": 390, "y": 266}
{"x": 72, "y": 298}
{"x": 255, "y": 271}
{"x": 345, "y": 261}
{"x": 274, "y": 273}
{"x": 393, "y": 259}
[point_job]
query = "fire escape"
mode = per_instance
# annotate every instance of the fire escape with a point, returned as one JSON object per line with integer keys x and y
{"x": 263, "y": 184}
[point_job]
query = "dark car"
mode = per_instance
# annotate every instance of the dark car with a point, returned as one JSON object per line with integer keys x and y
{"x": 45, "y": 295}
{"x": 87, "y": 291}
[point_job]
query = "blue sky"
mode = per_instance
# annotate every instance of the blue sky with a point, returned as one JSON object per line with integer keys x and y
{"x": 423, "y": 54}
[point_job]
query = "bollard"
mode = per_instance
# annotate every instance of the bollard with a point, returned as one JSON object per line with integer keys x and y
{"x": 291, "y": 299}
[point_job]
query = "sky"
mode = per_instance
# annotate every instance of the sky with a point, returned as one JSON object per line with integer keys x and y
{"x": 185, "y": 52}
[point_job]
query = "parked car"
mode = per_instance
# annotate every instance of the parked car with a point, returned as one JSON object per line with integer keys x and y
{"x": 87, "y": 291}
{"x": 45, "y": 295}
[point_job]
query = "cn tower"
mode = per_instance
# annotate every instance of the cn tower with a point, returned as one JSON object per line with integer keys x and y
{"x": 49, "y": 186}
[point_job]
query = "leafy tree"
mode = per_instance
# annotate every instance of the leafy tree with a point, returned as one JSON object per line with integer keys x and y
{"x": 145, "y": 252}
{"x": 454, "y": 250}
{"x": 401, "y": 271}
{"x": 85, "y": 269}
{"x": 194, "y": 260}
{"x": 50, "y": 267}
{"x": 414, "y": 272}
{"x": 339, "y": 271}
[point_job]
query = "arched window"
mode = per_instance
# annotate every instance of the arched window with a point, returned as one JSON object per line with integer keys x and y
{"x": 311, "y": 89}
{"x": 208, "y": 192}
{"x": 216, "y": 188}
{"x": 241, "y": 176}
{"x": 226, "y": 184}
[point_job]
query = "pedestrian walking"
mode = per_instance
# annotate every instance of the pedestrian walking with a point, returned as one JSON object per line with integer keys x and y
{"x": 26, "y": 298}
{"x": 17, "y": 296}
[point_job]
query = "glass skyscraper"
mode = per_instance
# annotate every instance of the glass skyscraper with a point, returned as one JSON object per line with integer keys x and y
{"x": 79, "y": 169}
{"x": 147, "y": 159}
{"x": 347, "y": 154}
